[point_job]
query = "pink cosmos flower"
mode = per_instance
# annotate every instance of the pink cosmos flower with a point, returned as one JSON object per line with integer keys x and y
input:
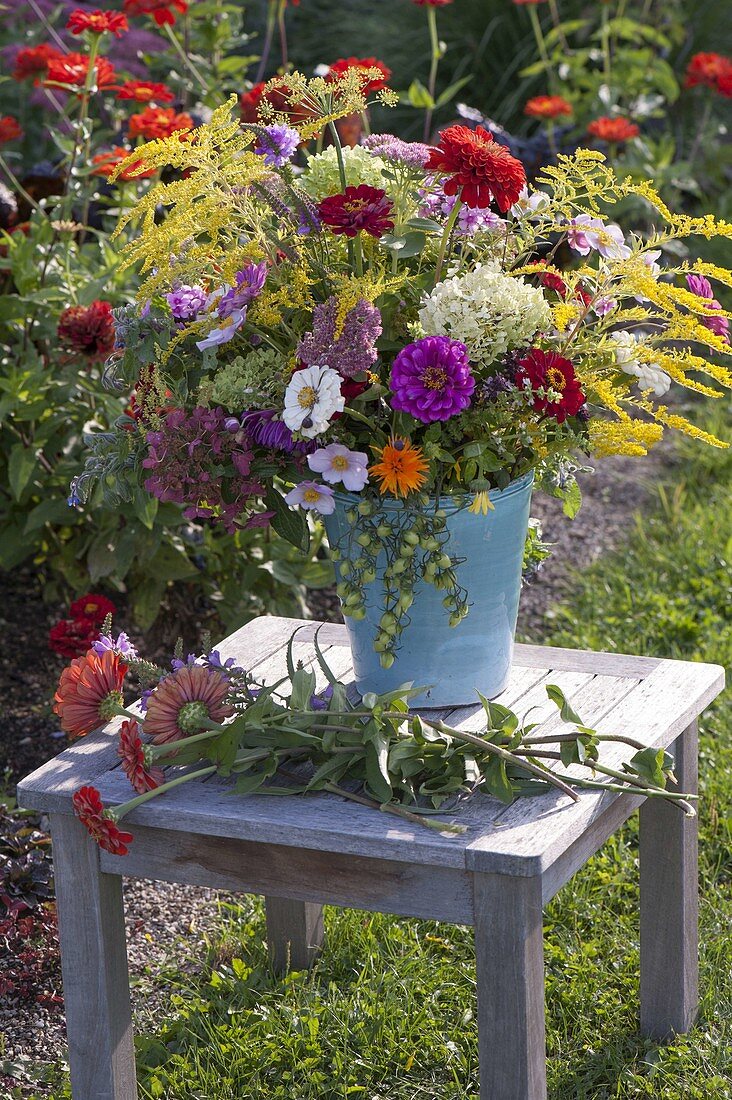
{"x": 336, "y": 463}
{"x": 587, "y": 234}
{"x": 312, "y": 497}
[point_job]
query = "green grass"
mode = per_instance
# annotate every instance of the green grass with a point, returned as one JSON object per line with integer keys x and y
{"x": 388, "y": 1012}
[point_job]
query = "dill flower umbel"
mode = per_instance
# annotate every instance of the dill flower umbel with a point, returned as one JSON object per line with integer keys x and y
{"x": 401, "y": 468}
{"x": 491, "y": 313}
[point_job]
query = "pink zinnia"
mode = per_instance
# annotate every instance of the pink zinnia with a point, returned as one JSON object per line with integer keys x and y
{"x": 183, "y": 700}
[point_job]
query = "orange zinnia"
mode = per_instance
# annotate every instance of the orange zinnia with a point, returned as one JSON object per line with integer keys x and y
{"x": 89, "y": 692}
{"x": 401, "y": 467}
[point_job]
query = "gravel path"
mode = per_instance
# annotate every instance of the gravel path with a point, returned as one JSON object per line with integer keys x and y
{"x": 167, "y": 924}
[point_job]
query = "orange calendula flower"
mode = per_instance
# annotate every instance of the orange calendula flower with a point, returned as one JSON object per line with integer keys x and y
{"x": 547, "y": 106}
{"x": 97, "y": 22}
{"x": 401, "y": 467}
{"x": 89, "y": 692}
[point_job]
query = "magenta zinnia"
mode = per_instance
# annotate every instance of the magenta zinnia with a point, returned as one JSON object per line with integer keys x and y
{"x": 183, "y": 701}
{"x": 431, "y": 379}
{"x": 359, "y": 209}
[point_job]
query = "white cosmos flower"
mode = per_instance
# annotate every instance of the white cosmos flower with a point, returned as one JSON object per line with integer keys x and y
{"x": 649, "y": 375}
{"x": 311, "y": 398}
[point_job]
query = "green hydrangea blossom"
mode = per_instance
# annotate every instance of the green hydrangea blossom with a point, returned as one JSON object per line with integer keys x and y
{"x": 246, "y": 381}
{"x": 322, "y": 177}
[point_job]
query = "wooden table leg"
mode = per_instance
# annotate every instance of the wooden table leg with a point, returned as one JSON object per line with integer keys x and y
{"x": 294, "y": 933}
{"x": 509, "y": 952}
{"x": 669, "y": 904}
{"x": 94, "y": 966}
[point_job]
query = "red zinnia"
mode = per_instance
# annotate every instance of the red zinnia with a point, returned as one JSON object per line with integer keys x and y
{"x": 72, "y": 637}
{"x": 182, "y": 699}
{"x": 106, "y": 163}
{"x": 9, "y": 129}
{"x": 480, "y": 168}
{"x": 131, "y": 750}
{"x": 343, "y": 64}
{"x": 432, "y": 3}
{"x": 550, "y": 277}
{"x": 32, "y": 61}
{"x": 89, "y": 691}
{"x": 160, "y": 10}
{"x": 142, "y": 91}
{"x": 541, "y": 371}
{"x": 70, "y": 70}
{"x": 88, "y": 330}
{"x": 89, "y": 809}
{"x": 278, "y": 97}
{"x": 97, "y": 22}
{"x": 708, "y": 69}
{"x": 613, "y": 130}
{"x": 724, "y": 84}
{"x": 547, "y": 106}
{"x": 359, "y": 209}
{"x": 93, "y": 607}
{"x": 159, "y": 122}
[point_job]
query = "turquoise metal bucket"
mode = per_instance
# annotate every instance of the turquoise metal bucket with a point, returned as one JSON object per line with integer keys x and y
{"x": 452, "y": 663}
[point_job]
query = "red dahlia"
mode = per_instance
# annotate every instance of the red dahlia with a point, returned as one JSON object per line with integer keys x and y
{"x": 359, "y": 209}
{"x": 161, "y": 10}
{"x": 159, "y": 122}
{"x": 132, "y": 752}
{"x": 89, "y": 809}
{"x": 32, "y": 61}
{"x": 613, "y": 130}
{"x": 70, "y": 70}
{"x": 480, "y": 169}
{"x": 9, "y": 129}
{"x": 143, "y": 91}
{"x": 97, "y": 22}
{"x": 708, "y": 69}
{"x": 92, "y": 607}
{"x": 88, "y": 330}
{"x": 105, "y": 164}
{"x": 72, "y": 637}
{"x": 343, "y": 64}
{"x": 554, "y": 384}
{"x": 547, "y": 106}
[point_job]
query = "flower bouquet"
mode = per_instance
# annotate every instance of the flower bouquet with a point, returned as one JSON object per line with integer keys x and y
{"x": 206, "y": 715}
{"x": 382, "y": 336}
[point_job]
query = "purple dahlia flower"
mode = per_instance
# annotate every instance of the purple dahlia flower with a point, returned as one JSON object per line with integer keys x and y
{"x": 431, "y": 379}
{"x": 263, "y": 428}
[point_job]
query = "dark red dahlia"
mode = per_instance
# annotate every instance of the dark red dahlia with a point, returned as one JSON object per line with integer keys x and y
{"x": 555, "y": 386}
{"x": 92, "y": 607}
{"x": 131, "y": 750}
{"x": 359, "y": 209}
{"x": 88, "y": 330}
{"x": 72, "y": 637}
{"x": 480, "y": 169}
{"x": 32, "y": 61}
{"x": 97, "y": 22}
{"x": 102, "y": 828}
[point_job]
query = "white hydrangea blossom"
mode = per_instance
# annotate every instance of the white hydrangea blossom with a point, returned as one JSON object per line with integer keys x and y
{"x": 491, "y": 313}
{"x": 649, "y": 375}
{"x": 322, "y": 177}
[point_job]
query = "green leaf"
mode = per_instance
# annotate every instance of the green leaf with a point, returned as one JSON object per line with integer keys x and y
{"x": 419, "y": 96}
{"x": 558, "y": 697}
{"x": 303, "y": 686}
{"x": 496, "y": 780}
{"x": 653, "y": 765}
{"x": 572, "y": 500}
{"x": 289, "y": 523}
{"x": 451, "y": 91}
{"x": 53, "y": 510}
{"x": 377, "y": 767}
{"x": 21, "y": 464}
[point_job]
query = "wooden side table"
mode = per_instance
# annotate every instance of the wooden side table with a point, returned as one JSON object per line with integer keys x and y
{"x": 306, "y": 851}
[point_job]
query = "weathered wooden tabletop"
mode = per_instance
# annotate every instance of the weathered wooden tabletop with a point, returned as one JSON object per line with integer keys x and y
{"x": 651, "y": 699}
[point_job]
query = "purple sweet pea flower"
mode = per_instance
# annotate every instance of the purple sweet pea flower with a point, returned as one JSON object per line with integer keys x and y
{"x": 431, "y": 379}
{"x": 277, "y": 144}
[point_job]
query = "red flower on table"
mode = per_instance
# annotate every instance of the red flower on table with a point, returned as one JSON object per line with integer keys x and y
{"x": 106, "y": 163}
{"x": 480, "y": 169}
{"x": 613, "y": 130}
{"x": 547, "y": 106}
{"x": 555, "y": 386}
{"x": 709, "y": 70}
{"x": 159, "y": 122}
{"x": 93, "y": 607}
{"x": 183, "y": 699}
{"x": 70, "y": 70}
{"x": 143, "y": 91}
{"x": 101, "y": 826}
{"x": 358, "y": 209}
{"x": 88, "y": 330}
{"x": 32, "y": 62}
{"x": 344, "y": 64}
{"x": 72, "y": 637}
{"x": 89, "y": 692}
{"x": 162, "y": 11}
{"x": 10, "y": 129}
{"x": 97, "y": 22}
{"x": 132, "y": 753}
